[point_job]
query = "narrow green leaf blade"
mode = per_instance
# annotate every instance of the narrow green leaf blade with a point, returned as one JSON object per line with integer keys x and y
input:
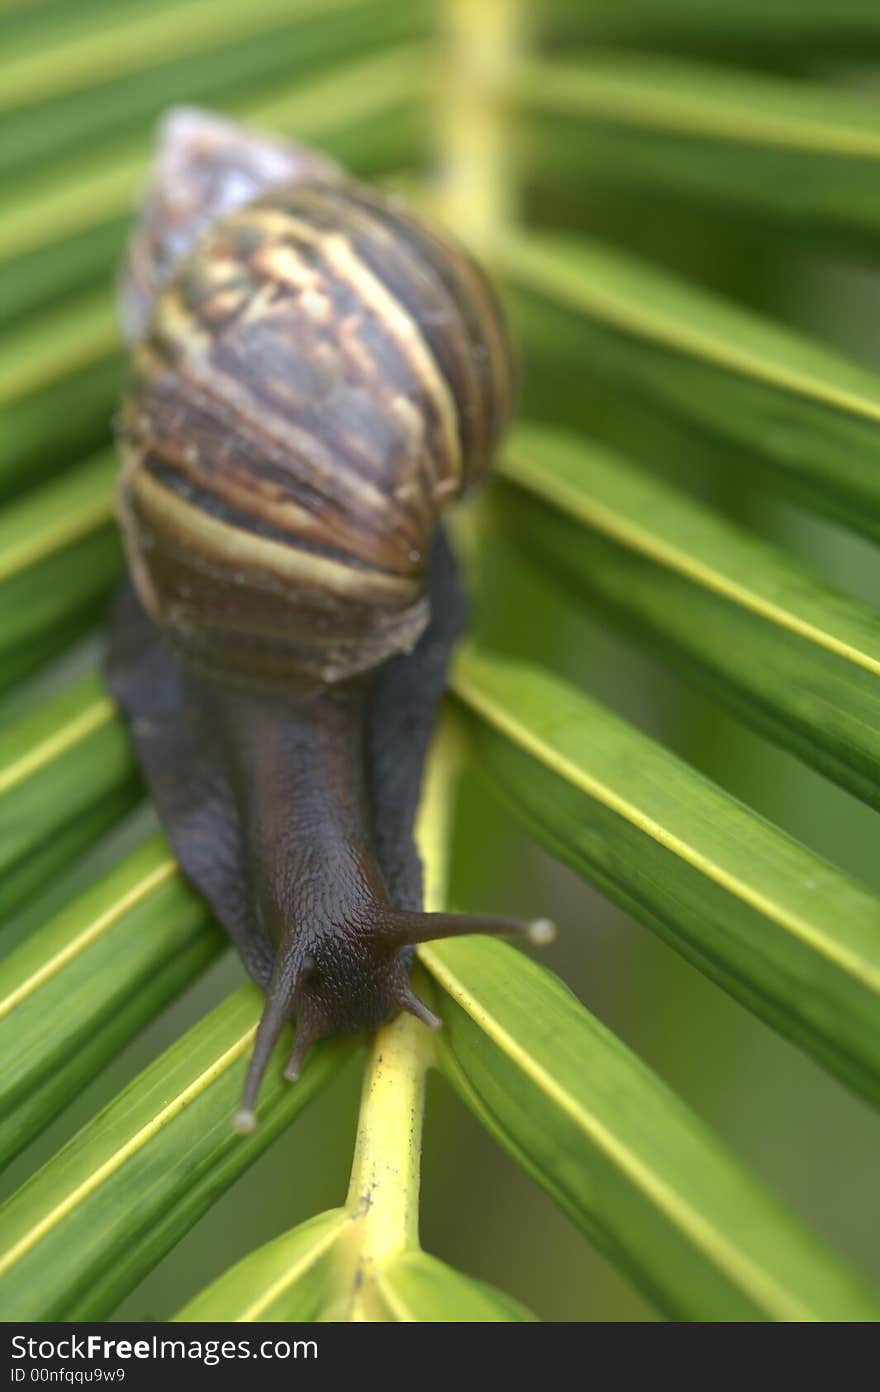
{"x": 62, "y": 341}
{"x": 418, "y": 1288}
{"x": 99, "y": 186}
{"x": 821, "y": 26}
{"x": 59, "y": 553}
{"x": 812, "y": 414}
{"x": 59, "y": 425}
{"x": 139, "y": 38}
{"x": 287, "y": 1279}
{"x": 66, "y": 773}
{"x": 73, "y": 1242}
{"x": 84, "y": 985}
{"x": 798, "y": 661}
{"x": 620, "y": 1153}
{"x": 783, "y": 931}
{"x": 798, "y": 151}
{"x": 49, "y": 519}
{"x": 100, "y": 117}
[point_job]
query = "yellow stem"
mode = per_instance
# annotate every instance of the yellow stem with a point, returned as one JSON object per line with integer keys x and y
{"x": 383, "y": 1197}
{"x": 383, "y": 1194}
{"x": 485, "y": 41}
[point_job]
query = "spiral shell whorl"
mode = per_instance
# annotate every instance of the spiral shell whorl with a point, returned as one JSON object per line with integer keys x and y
{"x": 319, "y": 380}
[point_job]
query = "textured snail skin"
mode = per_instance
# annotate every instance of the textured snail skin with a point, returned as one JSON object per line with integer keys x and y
{"x": 175, "y": 720}
{"x": 320, "y": 375}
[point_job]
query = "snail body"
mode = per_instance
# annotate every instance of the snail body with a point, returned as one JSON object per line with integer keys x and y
{"x": 315, "y": 375}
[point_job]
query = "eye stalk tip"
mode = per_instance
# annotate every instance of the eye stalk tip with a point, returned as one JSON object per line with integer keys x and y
{"x": 541, "y": 931}
{"x": 245, "y": 1122}
{"x": 303, "y": 1041}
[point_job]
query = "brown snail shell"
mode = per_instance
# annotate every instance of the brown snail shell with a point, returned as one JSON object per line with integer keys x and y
{"x": 319, "y": 378}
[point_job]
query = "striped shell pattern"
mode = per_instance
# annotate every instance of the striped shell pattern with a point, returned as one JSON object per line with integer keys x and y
{"x": 319, "y": 377}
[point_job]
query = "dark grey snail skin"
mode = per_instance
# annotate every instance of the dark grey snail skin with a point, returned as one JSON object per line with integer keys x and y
{"x": 315, "y": 374}
{"x": 173, "y": 716}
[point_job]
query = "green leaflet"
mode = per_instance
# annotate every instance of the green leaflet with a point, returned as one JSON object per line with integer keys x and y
{"x": 58, "y": 425}
{"x": 815, "y": 25}
{"x": 58, "y": 380}
{"x": 620, "y": 1153}
{"x": 291, "y": 1278}
{"x": 60, "y": 202}
{"x": 83, "y": 985}
{"x": 287, "y": 1279}
{"x": 797, "y": 150}
{"x": 59, "y": 553}
{"x": 66, "y": 773}
{"x": 417, "y": 1287}
{"x": 34, "y": 529}
{"x": 242, "y": 67}
{"x": 72, "y": 1242}
{"x": 57, "y": 345}
{"x": 783, "y": 931}
{"x": 809, "y": 412}
{"x": 794, "y": 658}
{"x": 138, "y": 39}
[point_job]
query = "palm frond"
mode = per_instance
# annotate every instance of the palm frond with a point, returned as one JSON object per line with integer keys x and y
{"x": 619, "y": 1153}
{"x": 797, "y": 660}
{"x": 786, "y": 933}
{"x": 510, "y": 102}
{"x": 73, "y": 1243}
{"x": 809, "y": 414}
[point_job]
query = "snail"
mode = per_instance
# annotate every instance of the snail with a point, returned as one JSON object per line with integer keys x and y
{"x": 315, "y": 374}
